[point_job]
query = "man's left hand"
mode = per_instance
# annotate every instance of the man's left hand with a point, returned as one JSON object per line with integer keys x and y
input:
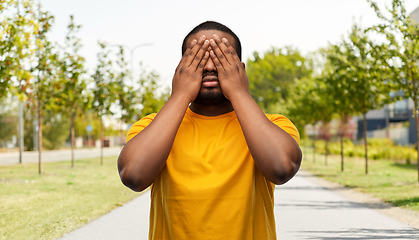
{"x": 231, "y": 72}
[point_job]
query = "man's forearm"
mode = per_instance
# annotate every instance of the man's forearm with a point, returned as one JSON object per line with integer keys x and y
{"x": 274, "y": 151}
{"x": 143, "y": 157}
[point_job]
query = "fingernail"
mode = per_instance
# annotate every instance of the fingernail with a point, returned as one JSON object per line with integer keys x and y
{"x": 217, "y": 38}
{"x": 225, "y": 40}
{"x": 202, "y": 38}
{"x": 193, "y": 41}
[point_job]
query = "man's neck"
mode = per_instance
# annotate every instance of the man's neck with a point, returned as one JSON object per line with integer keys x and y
{"x": 211, "y": 110}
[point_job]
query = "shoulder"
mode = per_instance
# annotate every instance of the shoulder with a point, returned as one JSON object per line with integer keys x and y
{"x": 286, "y": 125}
{"x": 140, "y": 125}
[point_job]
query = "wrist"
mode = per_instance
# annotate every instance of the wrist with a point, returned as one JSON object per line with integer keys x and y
{"x": 238, "y": 96}
{"x": 180, "y": 99}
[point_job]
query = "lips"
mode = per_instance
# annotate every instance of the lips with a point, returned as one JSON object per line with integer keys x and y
{"x": 210, "y": 80}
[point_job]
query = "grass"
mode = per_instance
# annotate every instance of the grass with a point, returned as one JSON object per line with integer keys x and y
{"x": 62, "y": 199}
{"x": 395, "y": 183}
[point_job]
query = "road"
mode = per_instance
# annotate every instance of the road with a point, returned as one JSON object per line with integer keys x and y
{"x": 8, "y": 158}
{"x": 304, "y": 209}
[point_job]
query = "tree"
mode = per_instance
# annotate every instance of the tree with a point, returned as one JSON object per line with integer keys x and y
{"x": 42, "y": 93}
{"x": 127, "y": 96}
{"x": 150, "y": 98}
{"x": 401, "y": 52}
{"x": 17, "y": 30}
{"x": 105, "y": 91}
{"x": 367, "y": 78}
{"x": 339, "y": 81}
{"x": 73, "y": 94}
{"x": 309, "y": 103}
{"x": 272, "y": 76}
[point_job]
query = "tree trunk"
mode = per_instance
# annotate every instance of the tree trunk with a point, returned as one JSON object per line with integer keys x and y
{"x": 417, "y": 134}
{"x": 72, "y": 137}
{"x": 314, "y": 146}
{"x": 341, "y": 152}
{"x": 364, "y": 115}
{"x": 121, "y": 134}
{"x": 325, "y": 152}
{"x": 39, "y": 138}
{"x": 101, "y": 141}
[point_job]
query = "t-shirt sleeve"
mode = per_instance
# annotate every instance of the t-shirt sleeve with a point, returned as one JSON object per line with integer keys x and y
{"x": 139, "y": 126}
{"x": 286, "y": 125}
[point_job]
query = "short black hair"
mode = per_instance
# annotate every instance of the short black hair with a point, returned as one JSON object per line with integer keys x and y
{"x": 212, "y": 25}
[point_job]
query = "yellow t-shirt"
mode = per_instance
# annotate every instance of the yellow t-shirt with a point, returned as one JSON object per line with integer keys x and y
{"x": 210, "y": 187}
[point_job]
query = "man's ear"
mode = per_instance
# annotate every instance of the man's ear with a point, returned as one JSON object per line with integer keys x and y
{"x": 244, "y": 65}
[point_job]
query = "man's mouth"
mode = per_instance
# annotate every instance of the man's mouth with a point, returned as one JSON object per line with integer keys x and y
{"x": 210, "y": 81}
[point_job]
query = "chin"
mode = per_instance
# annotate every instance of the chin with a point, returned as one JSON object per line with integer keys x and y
{"x": 210, "y": 97}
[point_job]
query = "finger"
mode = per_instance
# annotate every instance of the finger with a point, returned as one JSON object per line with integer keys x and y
{"x": 203, "y": 62}
{"x": 192, "y": 53}
{"x": 199, "y": 55}
{"x": 216, "y": 61}
{"x": 224, "y": 49}
{"x": 187, "y": 52}
{"x": 231, "y": 50}
{"x": 218, "y": 53}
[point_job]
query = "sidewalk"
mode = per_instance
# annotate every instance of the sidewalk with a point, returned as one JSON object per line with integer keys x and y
{"x": 305, "y": 208}
{"x": 8, "y": 158}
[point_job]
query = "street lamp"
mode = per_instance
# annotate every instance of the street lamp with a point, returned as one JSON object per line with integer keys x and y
{"x": 131, "y": 51}
{"x": 132, "y": 56}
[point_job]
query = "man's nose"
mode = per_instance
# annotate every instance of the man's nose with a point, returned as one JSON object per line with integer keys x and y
{"x": 210, "y": 67}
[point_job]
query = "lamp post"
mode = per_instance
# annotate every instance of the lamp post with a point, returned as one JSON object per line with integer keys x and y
{"x": 132, "y": 56}
{"x": 131, "y": 52}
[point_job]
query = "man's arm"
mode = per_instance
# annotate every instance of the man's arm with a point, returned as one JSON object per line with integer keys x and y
{"x": 143, "y": 157}
{"x": 274, "y": 151}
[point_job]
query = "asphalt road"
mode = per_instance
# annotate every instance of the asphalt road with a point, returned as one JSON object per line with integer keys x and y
{"x": 8, "y": 158}
{"x": 303, "y": 209}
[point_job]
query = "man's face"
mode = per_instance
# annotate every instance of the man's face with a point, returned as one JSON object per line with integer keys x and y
{"x": 210, "y": 93}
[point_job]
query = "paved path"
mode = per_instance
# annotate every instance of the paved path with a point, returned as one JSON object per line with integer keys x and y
{"x": 8, "y": 158}
{"x": 303, "y": 209}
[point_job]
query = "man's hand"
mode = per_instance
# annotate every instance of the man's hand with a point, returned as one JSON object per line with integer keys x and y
{"x": 188, "y": 75}
{"x": 231, "y": 71}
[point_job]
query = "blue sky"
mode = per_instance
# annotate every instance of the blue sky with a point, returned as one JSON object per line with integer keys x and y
{"x": 260, "y": 25}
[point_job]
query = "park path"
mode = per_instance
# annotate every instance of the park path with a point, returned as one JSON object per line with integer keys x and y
{"x": 305, "y": 208}
{"x": 8, "y": 158}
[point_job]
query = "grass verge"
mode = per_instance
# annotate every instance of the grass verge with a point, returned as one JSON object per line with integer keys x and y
{"x": 395, "y": 183}
{"x": 62, "y": 199}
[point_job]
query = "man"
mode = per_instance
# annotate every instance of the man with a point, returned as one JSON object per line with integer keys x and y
{"x": 211, "y": 155}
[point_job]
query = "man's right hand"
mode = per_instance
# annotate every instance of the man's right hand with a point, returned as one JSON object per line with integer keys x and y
{"x": 188, "y": 75}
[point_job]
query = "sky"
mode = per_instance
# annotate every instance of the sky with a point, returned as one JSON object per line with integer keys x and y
{"x": 304, "y": 24}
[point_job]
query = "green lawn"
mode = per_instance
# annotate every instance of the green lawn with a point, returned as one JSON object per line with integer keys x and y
{"x": 393, "y": 182}
{"x": 46, "y": 206}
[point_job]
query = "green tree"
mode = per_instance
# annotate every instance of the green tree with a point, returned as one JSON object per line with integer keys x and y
{"x": 45, "y": 71}
{"x": 127, "y": 97}
{"x": 367, "y": 78}
{"x": 17, "y": 32}
{"x": 74, "y": 95}
{"x": 152, "y": 98}
{"x": 339, "y": 81}
{"x": 106, "y": 90}
{"x": 310, "y": 103}
{"x": 401, "y": 52}
{"x": 272, "y": 76}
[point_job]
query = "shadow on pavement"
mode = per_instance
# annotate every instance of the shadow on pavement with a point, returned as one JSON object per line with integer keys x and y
{"x": 363, "y": 233}
{"x": 324, "y": 205}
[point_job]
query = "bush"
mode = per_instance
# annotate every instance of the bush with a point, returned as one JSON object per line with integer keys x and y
{"x": 378, "y": 148}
